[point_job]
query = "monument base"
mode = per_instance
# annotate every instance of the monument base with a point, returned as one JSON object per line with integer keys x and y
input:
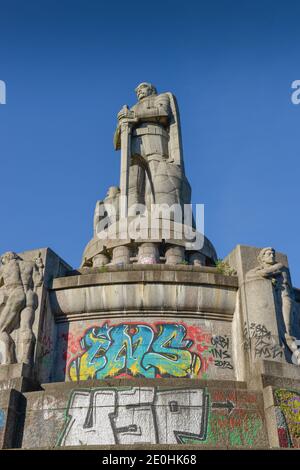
{"x": 18, "y": 377}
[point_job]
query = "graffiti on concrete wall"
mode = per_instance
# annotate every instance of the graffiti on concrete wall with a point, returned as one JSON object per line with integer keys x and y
{"x": 148, "y": 415}
{"x": 2, "y": 419}
{"x": 139, "y": 350}
{"x": 136, "y": 415}
{"x": 287, "y": 411}
{"x": 220, "y": 352}
{"x": 258, "y": 339}
{"x": 46, "y": 349}
{"x": 235, "y": 420}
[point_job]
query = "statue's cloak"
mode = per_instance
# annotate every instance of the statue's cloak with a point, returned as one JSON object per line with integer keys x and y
{"x": 175, "y": 141}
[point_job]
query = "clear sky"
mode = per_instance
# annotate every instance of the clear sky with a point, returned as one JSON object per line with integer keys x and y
{"x": 69, "y": 66}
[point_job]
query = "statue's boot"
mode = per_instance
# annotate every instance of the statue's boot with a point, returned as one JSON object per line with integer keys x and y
{"x": 26, "y": 345}
{"x": 7, "y": 349}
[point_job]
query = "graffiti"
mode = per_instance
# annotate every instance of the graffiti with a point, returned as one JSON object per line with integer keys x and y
{"x": 136, "y": 415}
{"x": 287, "y": 412}
{"x": 259, "y": 339}
{"x": 136, "y": 350}
{"x": 225, "y": 405}
{"x": 240, "y": 429}
{"x": 149, "y": 415}
{"x": 2, "y": 419}
{"x": 46, "y": 345}
{"x": 220, "y": 352}
{"x": 46, "y": 350}
{"x": 202, "y": 343}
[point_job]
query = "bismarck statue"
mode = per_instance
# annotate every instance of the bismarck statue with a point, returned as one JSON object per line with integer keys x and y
{"x": 18, "y": 302}
{"x": 156, "y": 173}
{"x": 152, "y": 180}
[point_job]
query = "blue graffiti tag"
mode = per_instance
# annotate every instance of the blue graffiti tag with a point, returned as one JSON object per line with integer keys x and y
{"x": 135, "y": 350}
{"x": 2, "y": 419}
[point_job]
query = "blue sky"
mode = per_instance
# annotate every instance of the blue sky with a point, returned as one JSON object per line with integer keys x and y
{"x": 69, "y": 66}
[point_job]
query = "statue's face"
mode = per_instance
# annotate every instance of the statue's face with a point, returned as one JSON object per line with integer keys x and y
{"x": 7, "y": 257}
{"x": 143, "y": 90}
{"x": 269, "y": 257}
{"x": 112, "y": 191}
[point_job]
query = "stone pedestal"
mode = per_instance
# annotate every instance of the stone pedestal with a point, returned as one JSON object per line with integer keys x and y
{"x": 100, "y": 260}
{"x": 176, "y": 353}
{"x": 17, "y": 376}
{"x": 174, "y": 254}
{"x": 121, "y": 255}
{"x": 148, "y": 253}
{"x": 12, "y": 407}
{"x": 258, "y": 318}
{"x": 15, "y": 379}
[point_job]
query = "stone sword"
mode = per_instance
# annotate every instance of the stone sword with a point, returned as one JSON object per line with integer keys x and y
{"x": 125, "y": 163}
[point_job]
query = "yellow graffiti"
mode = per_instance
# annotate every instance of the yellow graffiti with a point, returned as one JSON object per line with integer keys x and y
{"x": 135, "y": 350}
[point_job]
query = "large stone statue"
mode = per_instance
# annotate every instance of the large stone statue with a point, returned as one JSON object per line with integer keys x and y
{"x": 18, "y": 302}
{"x": 154, "y": 151}
{"x": 279, "y": 275}
{"x": 148, "y": 218}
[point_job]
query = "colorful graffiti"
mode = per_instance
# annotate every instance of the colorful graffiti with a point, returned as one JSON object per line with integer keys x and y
{"x": 2, "y": 419}
{"x": 288, "y": 417}
{"x": 135, "y": 350}
{"x": 150, "y": 415}
{"x": 242, "y": 424}
{"x": 259, "y": 339}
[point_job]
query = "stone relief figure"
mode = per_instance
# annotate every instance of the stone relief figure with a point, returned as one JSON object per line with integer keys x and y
{"x": 18, "y": 302}
{"x": 156, "y": 169}
{"x": 279, "y": 275}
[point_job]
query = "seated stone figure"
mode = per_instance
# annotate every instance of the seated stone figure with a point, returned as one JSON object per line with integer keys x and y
{"x": 107, "y": 210}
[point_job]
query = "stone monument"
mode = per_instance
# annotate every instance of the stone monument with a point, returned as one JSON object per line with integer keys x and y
{"x": 153, "y": 340}
{"x": 152, "y": 178}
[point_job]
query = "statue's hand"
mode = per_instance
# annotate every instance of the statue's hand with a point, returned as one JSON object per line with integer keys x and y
{"x": 125, "y": 113}
{"x": 39, "y": 263}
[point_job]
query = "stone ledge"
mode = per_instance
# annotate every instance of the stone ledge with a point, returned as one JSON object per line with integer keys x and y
{"x": 168, "y": 383}
{"x": 221, "y": 315}
{"x": 144, "y": 447}
{"x": 143, "y": 267}
{"x": 208, "y": 276}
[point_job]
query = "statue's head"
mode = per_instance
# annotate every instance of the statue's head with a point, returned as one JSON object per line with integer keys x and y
{"x": 266, "y": 256}
{"x": 145, "y": 89}
{"x": 8, "y": 256}
{"x": 112, "y": 191}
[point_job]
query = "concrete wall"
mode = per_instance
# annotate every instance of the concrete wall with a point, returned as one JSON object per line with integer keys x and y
{"x": 152, "y": 412}
{"x": 116, "y": 345}
{"x": 137, "y": 321}
{"x": 129, "y": 347}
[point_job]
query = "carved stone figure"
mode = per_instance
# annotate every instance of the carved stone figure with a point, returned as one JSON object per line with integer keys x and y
{"x": 18, "y": 302}
{"x": 154, "y": 172}
{"x": 104, "y": 209}
{"x": 279, "y": 274}
{"x": 153, "y": 201}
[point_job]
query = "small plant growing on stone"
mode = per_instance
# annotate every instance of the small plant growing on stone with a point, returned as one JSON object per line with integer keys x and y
{"x": 224, "y": 268}
{"x": 103, "y": 269}
{"x": 184, "y": 262}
